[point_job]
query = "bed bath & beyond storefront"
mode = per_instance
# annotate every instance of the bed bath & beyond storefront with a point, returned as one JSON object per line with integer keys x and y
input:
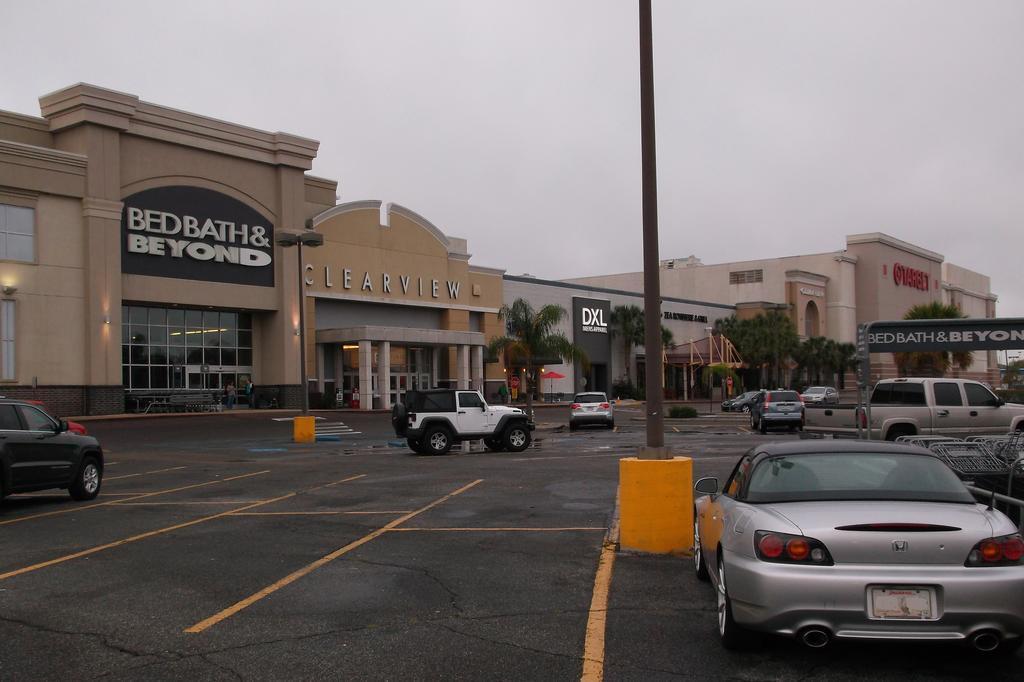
{"x": 139, "y": 259}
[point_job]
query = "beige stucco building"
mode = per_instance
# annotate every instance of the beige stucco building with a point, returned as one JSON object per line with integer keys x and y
{"x": 139, "y": 258}
{"x": 875, "y": 277}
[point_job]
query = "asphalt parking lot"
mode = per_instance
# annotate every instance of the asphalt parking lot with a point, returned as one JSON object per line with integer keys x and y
{"x": 219, "y": 550}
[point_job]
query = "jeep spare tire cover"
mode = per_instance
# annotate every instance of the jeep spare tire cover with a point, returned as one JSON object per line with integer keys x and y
{"x": 399, "y": 419}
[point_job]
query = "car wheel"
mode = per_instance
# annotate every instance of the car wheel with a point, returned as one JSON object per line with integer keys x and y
{"x": 493, "y": 444}
{"x": 611, "y": 424}
{"x": 88, "y": 481}
{"x": 746, "y": 408}
{"x": 415, "y": 444}
{"x": 399, "y": 419}
{"x": 731, "y": 635}
{"x": 699, "y": 567}
{"x": 762, "y": 425}
{"x": 572, "y": 426}
{"x": 517, "y": 438}
{"x": 436, "y": 441}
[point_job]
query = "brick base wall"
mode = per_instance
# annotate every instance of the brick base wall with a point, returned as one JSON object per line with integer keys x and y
{"x": 70, "y": 401}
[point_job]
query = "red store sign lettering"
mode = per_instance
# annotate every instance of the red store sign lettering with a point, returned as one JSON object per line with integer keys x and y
{"x": 909, "y": 277}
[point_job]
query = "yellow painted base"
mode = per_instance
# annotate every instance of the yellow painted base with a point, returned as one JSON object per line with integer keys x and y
{"x": 304, "y": 430}
{"x": 656, "y": 505}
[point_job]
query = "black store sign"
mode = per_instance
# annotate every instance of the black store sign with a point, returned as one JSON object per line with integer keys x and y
{"x": 904, "y": 336}
{"x": 591, "y": 332}
{"x": 196, "y": 233}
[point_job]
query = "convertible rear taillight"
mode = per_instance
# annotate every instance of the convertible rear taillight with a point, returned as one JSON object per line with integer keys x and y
{"x": 783, "y": 548}
{"x": 575, "y": 406}
{"x": 1006, "y": 550}
{"x": 605, "y": 406}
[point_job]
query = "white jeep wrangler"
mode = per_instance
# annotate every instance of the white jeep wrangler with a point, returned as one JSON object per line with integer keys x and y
{"x": 431, "y": 421}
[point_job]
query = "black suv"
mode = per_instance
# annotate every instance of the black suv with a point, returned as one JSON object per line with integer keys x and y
{"x": 38, "y": 452}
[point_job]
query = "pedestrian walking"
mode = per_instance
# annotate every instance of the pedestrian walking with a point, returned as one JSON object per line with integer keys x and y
{"x": 230, "y": 395}
{"x": 503, "y": 393}
{"x": 250, "y": 394}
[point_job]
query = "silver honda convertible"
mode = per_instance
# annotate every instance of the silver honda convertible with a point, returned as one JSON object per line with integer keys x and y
{"x": 857, "y": 540}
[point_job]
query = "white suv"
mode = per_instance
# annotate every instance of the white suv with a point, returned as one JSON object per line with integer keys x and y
{"x": 431, "y": 421}
{"x": 591, "y": 408}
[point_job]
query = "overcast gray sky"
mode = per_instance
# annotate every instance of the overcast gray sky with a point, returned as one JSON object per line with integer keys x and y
{"x": 782, "y": 126}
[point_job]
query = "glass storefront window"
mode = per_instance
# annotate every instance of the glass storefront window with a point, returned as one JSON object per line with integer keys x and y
{"x": 165, "y": 348}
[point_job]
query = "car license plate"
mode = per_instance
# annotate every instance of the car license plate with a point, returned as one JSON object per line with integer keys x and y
{"x": 901, "y": 603}
{"x": 785, "y": 408}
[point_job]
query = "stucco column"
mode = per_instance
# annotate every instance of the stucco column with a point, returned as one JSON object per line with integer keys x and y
{"x": 477, "y": 374}
{"x": 435, "y": 366}
{"x": 384, "y": 374}
{"x": 365, "y": 375}
{"x": 462, "y": 375}
{"x": 320, "y": 367}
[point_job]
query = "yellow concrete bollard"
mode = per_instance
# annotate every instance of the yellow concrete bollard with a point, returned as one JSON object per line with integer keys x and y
{"x": 656, "y": 505}
{"x": 304, "y": 430}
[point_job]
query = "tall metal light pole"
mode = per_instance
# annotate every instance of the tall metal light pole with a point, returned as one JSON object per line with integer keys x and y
{"x": 653, "y": 370}
{"x": 312, "y": 240}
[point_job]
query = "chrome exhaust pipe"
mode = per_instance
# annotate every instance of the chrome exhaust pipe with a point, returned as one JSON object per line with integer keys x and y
{"x": 985, "y": 641}
{"x": 815, "y": 637}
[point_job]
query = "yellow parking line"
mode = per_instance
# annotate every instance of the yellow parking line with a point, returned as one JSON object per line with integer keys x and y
{"x": 144, "y": 473}
{"x": 140, "y": 496}
{"x": 593, "y": 648}
{"x": 134, "y": 538}
{"x": 316, "y": 513}
{"x": 309, "y": 568}
{"x": 256, "y": 473}
{"x": 499, "y": 530}
{"x": 182, "y": 504}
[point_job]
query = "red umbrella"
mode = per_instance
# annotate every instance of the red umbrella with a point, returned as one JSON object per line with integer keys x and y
{"x": 553, "y": 375}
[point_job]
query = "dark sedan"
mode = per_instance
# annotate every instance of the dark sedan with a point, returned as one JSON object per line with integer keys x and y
{"x": 740, "y": 403}
{"x": 38, "y": 452}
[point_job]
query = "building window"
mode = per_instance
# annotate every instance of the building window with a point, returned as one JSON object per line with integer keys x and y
{"x": 7, "y": 341}
{"x": 746, "y": 277}
{"x": 168, "y": 348}
{"x": 17, "y": 233}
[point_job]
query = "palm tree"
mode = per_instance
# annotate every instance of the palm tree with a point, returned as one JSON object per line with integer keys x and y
{"x": 530, "y": 335}
{"x": 932, "y": 363}
{"x": 628, "y": 324}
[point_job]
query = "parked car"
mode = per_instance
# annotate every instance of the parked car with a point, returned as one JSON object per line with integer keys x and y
{"x": 915, "y": 406}
{"x": 37, "y": 452}
{"x": 772, "y": 408}
{"x": 432, "y": 421}
{"x": 849, "y": 539}
{"x": 591, "y": 408}
{"x": 740, "y": 403}
{"x": 73, "y": 427}
{"x": 820, "y": 394}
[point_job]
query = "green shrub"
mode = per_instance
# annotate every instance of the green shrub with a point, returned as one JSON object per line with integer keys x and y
{"x": 1011, "y": 395}
{"x": 682, "y": 412}
{"x": 627, "y": 391}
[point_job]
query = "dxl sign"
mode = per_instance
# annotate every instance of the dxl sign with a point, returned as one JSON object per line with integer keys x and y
{"x": 593, "y": 320}
{"x": 905, "y": 336}
{"x": 196, "y": 233}
{"x": 590, "y": 328}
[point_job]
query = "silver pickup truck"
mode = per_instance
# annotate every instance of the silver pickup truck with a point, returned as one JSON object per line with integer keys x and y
{"x": 907, "y": 407}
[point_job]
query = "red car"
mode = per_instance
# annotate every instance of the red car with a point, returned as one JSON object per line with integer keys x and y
{"x": 73, "y": 427}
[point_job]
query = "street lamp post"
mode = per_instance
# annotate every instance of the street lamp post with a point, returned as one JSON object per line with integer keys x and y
{"x": 652, "y": 270}
{"x": 312, "y": 240}
{"x": 711, "y": 374}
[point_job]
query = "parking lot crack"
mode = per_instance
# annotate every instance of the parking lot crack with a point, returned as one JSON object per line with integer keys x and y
{"x": 220, "y": 666}
{"x": 102, "y": 639}
{"x": 453, "y": 596}
{"x": 508, "y": 644}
